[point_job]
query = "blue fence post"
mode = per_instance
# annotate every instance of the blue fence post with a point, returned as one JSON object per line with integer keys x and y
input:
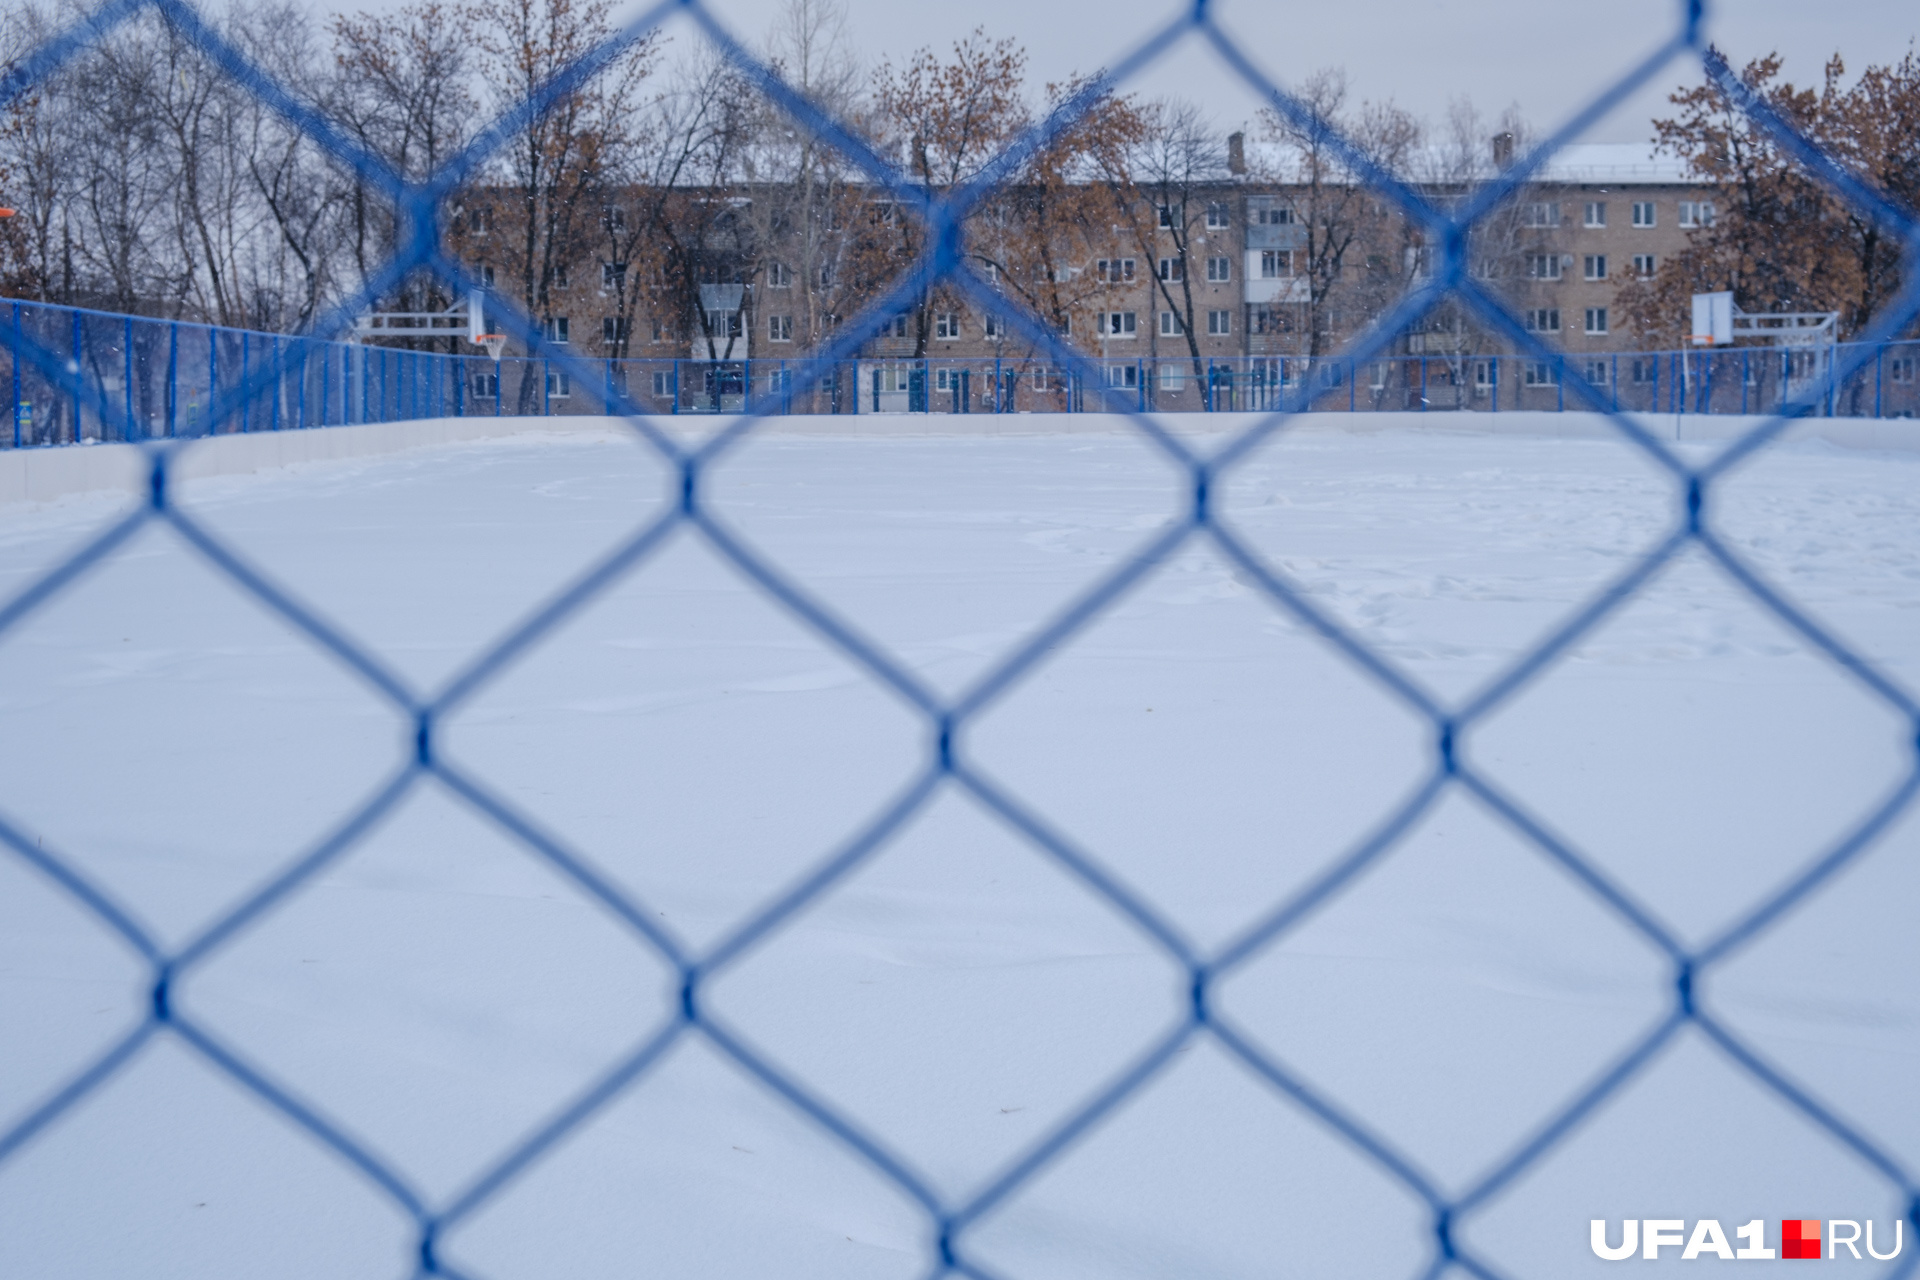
{"x": 213, "y": 373}
{"x": 1423, "y": 384}
{"x": 16, "y": 375}
{"x": 1879, "y": 354}
{"x": 246, "y": 399}
{"x": 173, "y": 378}
{"x": 546, "y": 389}
{"x": 1353, "y": 384}
{"x": 79, "y": 372}
{"x": 1560, "y": 385}
{"x": 126, "y": 351}
{"x": 498, "y": 393}
{"x": 279, "y": 386}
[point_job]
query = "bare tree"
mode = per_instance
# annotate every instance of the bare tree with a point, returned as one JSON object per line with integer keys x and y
{"x": 945, "y": 121}
{"x": 403, "y": 89}
{"x": 1347, "y": 230}
{"x": 557, "y": 159}
{"x": 1175, "y": 164}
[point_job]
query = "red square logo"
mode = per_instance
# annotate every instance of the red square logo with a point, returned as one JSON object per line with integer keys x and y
{"x": 1800, "y": 1238}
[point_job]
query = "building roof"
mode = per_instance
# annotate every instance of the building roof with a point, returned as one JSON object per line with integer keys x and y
{"x": 1580, "y": 163}
{"x": 1614, "y": 162}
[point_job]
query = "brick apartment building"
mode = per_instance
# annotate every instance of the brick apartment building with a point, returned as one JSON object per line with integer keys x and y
{"x": 1598, "y": 215}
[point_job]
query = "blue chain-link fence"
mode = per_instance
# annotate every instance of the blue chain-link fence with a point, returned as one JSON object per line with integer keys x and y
{"x": 946, "y": 764}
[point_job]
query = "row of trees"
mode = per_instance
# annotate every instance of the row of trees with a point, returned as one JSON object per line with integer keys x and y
{"x": 148, "y": 180}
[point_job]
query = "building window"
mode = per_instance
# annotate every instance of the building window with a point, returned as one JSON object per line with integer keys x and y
{"x": 1217, "y": 215}
{"x": 1543, "y": 266}
{"x": 1540, "y": 213}
{"x": 1275, "y": 263}
{"x": 946, "y": 325}
{"x": 1543, "y": 320}
{"x": 559, "y": 385}
{"x": 779, "y": 328}
{"x": 826, "y": 277}
{"x": 1596, "y": 213}
{"x": 1645, "y": 369}
{"x": 615, "y": 329}
{"x": 479, "y": 220}
{"x": 1643, "y": 265}
{"x": 1123, "y": 375}
{"x": 1268, "y": 215}
{"x": 895, "y": 328}
{"x": 1265, "y": 321}
{"x": 1117, "y": 324}
{"x": 1597, "y": 373}
{"x": 1173, "y": 377}
{"x": 1696, "y": 213}
{"x": 946, "y": 380}
{"x": 1643, "y": 213}
{"x": 1538, "y": 373}
{"x": 556, "y": 329}
{"x": 1166, "y": 218}
{"x": 1219, "y": 270}
{"x": 657, "y": 330}
{"x": 779, "y": 276}
{"x": 1486, "y": 373}
{"x": 1219, "y": 322}
{"x": 1596, "y": 266}
{"x": 1901, "y": 368}
{"x": 559, "y": 278}
{"x": 1596, "y": 319}
{"x": 486, "y": 277}
{"x": 1040, "y": 377}
{"x": 1170, "y": 324}
{"x": 1173, "y": 269}
{"x": 486, "y": 385}
{"x": 613, "y": 275}
{"x": 1116, "y": 270}
{"x": 995, "y": 328}
{"x": 663, "y": 384}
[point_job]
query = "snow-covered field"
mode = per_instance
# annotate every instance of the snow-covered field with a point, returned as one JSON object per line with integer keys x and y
{"x": 439, "y": 992}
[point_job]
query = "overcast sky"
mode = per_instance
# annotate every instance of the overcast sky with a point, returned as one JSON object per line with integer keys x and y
{"x": 1547, "y": 56}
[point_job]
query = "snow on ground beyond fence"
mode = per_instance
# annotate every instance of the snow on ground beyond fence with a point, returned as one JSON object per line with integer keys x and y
{"x": 439, "y": 992}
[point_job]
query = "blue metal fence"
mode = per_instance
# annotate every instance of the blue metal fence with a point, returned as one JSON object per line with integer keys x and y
{"x": 146, "y": 379}
{"x": 245, "y": 385}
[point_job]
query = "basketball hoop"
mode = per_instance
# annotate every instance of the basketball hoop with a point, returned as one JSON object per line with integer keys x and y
{"x": 495, "y": 343}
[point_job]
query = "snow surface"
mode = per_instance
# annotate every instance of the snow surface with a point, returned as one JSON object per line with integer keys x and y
{"x": 439, "y": 992}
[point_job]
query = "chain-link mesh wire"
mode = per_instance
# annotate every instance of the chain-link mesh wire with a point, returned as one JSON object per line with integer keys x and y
{"x": 946, "y": 764}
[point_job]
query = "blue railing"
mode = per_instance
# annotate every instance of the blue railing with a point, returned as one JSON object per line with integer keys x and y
{"x": 146, "y": 379}
{"x": 253, "y": 393}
